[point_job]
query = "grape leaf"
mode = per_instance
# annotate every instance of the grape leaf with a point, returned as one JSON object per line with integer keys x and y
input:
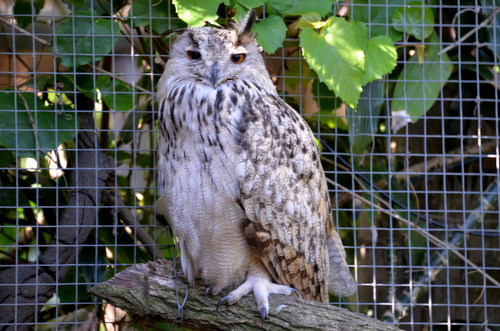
{"x": 116, "y": 95}
{"x": 197, "y": 12}
{"x": 299, "y": 7}
{"x": 378, "y": 14}
{"x": 412, "y": 20}
{"x": 85, "y": 34}
{"x": 363, "y": 122}
{"x": 155, "y": 16}
{"x": 17, "y": 131}
{"x": 418, "y": 86}
{"x": 337, "y": 60}
{"x": 271, "y": 32}
{"x": 251, "y": 3}
{"x": 380, "y": 53}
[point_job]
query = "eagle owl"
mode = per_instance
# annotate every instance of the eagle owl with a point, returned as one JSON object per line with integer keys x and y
{"x": 242, "y": 185}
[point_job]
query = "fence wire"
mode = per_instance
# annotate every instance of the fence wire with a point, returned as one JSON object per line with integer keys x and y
{"x": 413, "y": 172}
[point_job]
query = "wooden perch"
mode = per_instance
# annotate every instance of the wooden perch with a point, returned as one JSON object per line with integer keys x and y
{"x": 150, "y": 290}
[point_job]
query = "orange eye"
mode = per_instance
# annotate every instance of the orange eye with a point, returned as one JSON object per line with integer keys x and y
{"x": 238, "y": 58}
{"x": 194, "y": 55}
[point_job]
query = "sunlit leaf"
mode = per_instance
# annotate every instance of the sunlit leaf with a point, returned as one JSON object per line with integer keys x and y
{"x": 197, "y": 12}
{"x": 251, "y": 3}
{"x": 299, "y": 7}
{"x": 310, "y": 20}
{"x": 336, "y": 59}
{"x": 270, "y": 33}
{"x": 380, "y": 53}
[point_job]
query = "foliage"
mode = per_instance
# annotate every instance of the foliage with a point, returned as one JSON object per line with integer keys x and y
{"x": 346, "y": 65}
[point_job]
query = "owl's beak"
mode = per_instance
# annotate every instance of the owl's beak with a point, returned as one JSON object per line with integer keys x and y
{"x": 214, "y": 74}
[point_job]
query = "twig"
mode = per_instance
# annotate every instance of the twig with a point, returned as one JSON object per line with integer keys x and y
{"x": 33, "y": 125}
{"x": 432, "y": 238}
{"x": 40, "y": 40}
{"x": 490, "y": 17}
{"x": 452, "y": 157}
{"x": 138, "y": 88}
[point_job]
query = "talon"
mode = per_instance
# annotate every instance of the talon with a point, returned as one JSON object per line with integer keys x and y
{"x": 206, "y": 291}
{"x": 296, "y": 292}
{"x": 263, "y": 314}
{"x": 220, "y": 302}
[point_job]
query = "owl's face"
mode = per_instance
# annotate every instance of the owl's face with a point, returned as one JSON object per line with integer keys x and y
{"x": 216, "y": 57}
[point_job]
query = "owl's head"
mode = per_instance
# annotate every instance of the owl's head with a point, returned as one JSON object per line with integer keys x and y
{"x": 214, "y": 57}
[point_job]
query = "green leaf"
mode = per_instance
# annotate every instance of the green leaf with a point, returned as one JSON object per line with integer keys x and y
{"x": 251, "y": 3}
{"x": 77, "y": 3}
{"x": 91, "y": 35}
{"x": 380, "y": 53}
{"x": 271, "y": 32}
{"x": 419, "y": 86}
{"x": 310, "y": 20}
{"x": 415, "y": 20}
{"x": 299, "y": 7}
{"x": 116, "y": 95}
{"x": 363, "y": 122}
{"x": 155, "y": 16}
{"x": 197, "y": 12}
{"x": 337, "y": 60}
{"x": 17, "y": 131}
{"x": 26, "y": 10}
{"x": 378, "y": 14}
{"x": 6, "y": 158}
{"x": 327, "y": 100}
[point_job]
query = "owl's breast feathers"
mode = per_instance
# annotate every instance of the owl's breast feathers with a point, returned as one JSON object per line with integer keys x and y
{"x": 267, "y": 154}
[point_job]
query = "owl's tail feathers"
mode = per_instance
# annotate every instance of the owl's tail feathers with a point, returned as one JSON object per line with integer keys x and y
{"x": 340, "y": 281}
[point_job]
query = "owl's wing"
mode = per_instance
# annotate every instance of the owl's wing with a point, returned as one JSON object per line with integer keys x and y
{"x": 285, "y": 197}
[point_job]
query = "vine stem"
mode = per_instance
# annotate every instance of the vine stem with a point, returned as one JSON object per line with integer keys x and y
{"x": 490, "y": 17}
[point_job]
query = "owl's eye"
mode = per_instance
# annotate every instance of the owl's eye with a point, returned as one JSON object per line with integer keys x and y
{"x": 238, "y": 58}
{"x": 194, "y": 55}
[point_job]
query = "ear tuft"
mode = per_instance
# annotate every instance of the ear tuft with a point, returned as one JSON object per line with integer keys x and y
{"x": 173, "y": 31}
{"x": 244, "y": 28}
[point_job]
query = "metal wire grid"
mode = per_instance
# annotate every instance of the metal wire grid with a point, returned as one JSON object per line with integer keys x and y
{"x": 458, "y": 297}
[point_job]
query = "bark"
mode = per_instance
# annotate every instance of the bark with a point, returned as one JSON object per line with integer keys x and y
{"x": 24, "y": 288}
{"x": 149, "y": 290}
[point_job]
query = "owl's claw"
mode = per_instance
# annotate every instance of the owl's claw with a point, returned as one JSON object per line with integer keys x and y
{"x": 207, "y": 290}
{"x": 261, "y": 288}
{"x": 220, "y": 302}
{"x": 296, "y": 292}
{"x": 263, "y": 314}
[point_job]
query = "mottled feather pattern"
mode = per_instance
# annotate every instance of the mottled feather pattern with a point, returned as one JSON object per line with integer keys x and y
{"x": 243, "y": 187}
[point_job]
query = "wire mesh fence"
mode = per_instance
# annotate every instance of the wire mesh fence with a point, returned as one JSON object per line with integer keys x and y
{"x": 413, "y": 163}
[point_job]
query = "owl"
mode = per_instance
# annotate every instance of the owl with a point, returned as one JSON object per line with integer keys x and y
{"x": 242, "y": 186}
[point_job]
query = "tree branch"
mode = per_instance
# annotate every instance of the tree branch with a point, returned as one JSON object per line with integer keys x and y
{"x": 150, "y": 290}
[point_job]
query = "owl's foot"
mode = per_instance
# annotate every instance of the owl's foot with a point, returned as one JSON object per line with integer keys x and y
{"x": 261, "y": 288}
